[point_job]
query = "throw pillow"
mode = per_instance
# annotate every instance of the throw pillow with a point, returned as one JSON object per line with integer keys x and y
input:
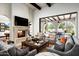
{"x": 59, "y": 47}
{"x": 68, "y": 46}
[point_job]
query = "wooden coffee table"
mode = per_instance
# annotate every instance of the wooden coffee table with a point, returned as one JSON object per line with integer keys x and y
{"x": 33, "y": 46}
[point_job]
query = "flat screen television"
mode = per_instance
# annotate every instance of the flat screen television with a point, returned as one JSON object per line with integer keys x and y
{"x": 20, "y": 21}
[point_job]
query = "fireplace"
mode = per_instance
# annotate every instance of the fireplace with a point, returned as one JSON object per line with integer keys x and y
{"x": 20, "y": 33}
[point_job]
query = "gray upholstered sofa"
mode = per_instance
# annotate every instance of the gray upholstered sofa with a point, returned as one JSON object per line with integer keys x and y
{"x": 18, "y": 52}
{"x": 73, "y": 52}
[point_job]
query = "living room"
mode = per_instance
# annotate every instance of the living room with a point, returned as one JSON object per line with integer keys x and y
{"x": 39, "y": 29}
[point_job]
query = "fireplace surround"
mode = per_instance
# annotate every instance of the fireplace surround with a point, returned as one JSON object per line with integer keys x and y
{"x": 20, "y": 34}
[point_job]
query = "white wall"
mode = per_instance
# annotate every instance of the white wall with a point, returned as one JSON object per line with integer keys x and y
{"x": 31, "y": 16}
{"x": 55, "y": 9}
{"x": 22, "y": 10}
{"x": 5, "y": 9}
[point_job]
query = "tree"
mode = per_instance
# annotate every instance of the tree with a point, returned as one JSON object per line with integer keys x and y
{"x": 50, "y": 27}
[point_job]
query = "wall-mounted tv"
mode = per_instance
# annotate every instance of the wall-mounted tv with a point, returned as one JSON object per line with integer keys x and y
{"x": 20, "y": 21}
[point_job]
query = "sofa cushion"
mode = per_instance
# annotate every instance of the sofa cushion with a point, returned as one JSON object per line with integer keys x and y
{"x": 18, "y": 52}
{"x": 59, "y": 47}
{"x": 22, "y": 52}
{"x": 74, "y": 51}
{"x": 12, "y": 51}
{"x": 32, "y": 53}
{"x": 68, "y": 46}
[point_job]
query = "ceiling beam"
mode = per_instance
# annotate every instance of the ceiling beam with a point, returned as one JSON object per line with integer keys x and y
{"x": 70, "y": 16}
{"x": 48, "y": 4}
{"x": 64, "y": 17}
{"x": 58, "y": 17}
{"x": 54, "y": 18}
{"x": 36, "y": 6}
{"x": 50, "y": 19}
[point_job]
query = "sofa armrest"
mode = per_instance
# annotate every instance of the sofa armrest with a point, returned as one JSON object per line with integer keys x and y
{"x": 32, "y": 53}
{"x": 56, "y": 51}
{"x": 4, "y": 53}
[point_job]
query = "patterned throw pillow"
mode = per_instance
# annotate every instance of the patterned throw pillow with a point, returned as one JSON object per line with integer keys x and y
{"x": 63, "y": 40}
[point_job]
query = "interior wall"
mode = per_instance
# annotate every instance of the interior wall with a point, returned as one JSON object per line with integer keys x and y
{"x": 31, "y": 16}
{"x": 21, "y": 10}
{"x": 55, "y": 9}
{"x": 5, "y": 9}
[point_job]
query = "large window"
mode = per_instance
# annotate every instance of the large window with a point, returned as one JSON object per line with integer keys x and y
{"x": 4, "y": 26}
{"x": 49, "y": 27}
{"x": 63, "y": 23}
{"x": 67, "y": 27}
